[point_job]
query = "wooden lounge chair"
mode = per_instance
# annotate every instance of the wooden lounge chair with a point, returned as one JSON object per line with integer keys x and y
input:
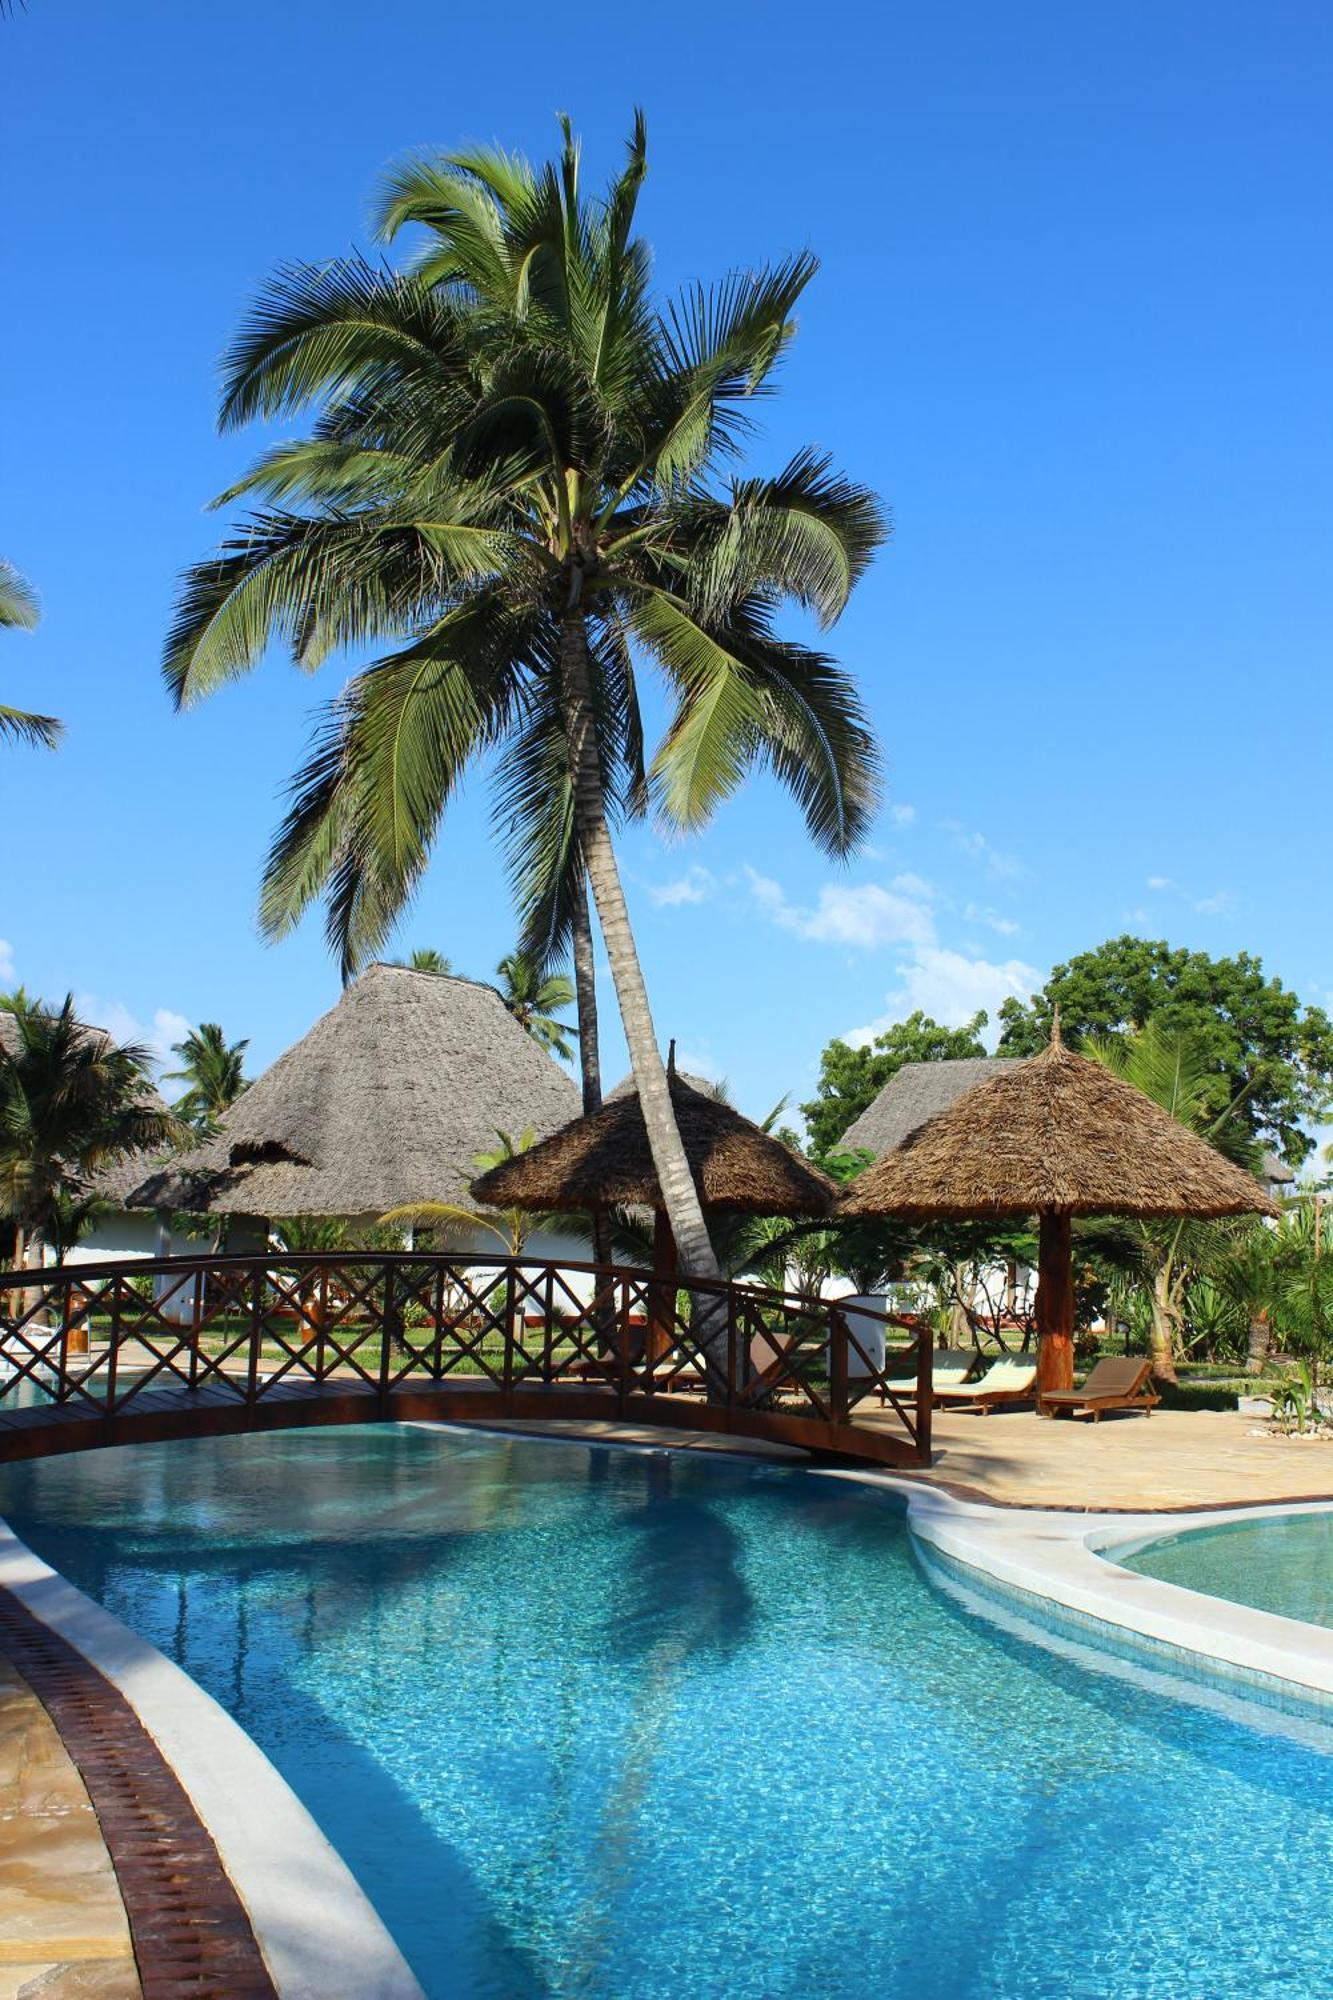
{"x": 1011, "y": 1379}
{"x": 1116, "y": 1382}
{"x": 950, "y": 1367}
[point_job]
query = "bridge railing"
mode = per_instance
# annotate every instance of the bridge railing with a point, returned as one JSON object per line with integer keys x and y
{"x": 106, "y": 1337}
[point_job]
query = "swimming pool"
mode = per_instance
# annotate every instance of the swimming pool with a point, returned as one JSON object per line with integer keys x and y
{"x": 1277, "y": 1562}
{"x": 628, "y": 1724}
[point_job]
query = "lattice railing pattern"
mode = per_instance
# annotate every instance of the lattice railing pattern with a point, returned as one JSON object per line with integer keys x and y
{"x": 107, "y": 1335}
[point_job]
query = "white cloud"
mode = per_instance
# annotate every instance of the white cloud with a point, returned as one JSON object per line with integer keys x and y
{"x": 981, "y": 849}
{"x": 912, "y": 885}
{"x": 950, "y": 987}
{"x": 1003, "y": 926}
{"x": 694, "y": 886}
{"x": 123, "y": 1025}
{"x": 695, "y": 1064}
{"x": 6, "y": 961}
{"x": 1159, "y": 881}
{"x": 902, "y": 815}
{"x": 1220, "y": 905}
{"x": 861, "y": 915}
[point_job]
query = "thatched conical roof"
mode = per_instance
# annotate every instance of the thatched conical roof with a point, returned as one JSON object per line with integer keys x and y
{"x": 604, "y": 1162}
{"x": 1057, "y": 1133}
{"x": 385, "y": 1102}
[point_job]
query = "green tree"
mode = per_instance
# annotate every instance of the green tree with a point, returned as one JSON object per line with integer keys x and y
{"x": 851, "y": 1079}
{"x": 213, "y": 1071}
{"x": 72, "y": 1101}
{"x": 426, "y": 959}
{"x": 19, "y": 608}
{"x": 536, "y": 999}
{"x": 514, "y": 480}
{"x": 1258, "y": 1044}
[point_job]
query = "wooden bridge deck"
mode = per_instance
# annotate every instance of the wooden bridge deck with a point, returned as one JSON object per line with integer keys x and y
{"x": 214, "y": 1410}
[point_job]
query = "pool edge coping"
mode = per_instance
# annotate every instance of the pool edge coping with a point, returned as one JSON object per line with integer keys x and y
{"x": 1048, "y": 1558}
{"x": 313, "y": 1922}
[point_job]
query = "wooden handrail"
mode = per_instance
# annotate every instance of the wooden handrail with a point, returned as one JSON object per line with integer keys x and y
{"x": 465, "y": 1333}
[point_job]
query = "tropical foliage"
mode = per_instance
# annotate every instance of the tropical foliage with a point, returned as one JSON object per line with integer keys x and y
{"x": 536, "y": 999}
{"x": 213, "y": 1071}
{"x": 518, "y": 481}
{"x": 72, "y": 1101}
{"x": 1259, "y": 1047}
{"x": 19, "y": 608}
{"x": 426, "y": 959}
{"x": 850, "y": 1079}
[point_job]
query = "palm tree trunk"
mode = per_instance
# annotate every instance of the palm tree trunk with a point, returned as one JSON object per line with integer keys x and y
{"x": 1163, "y": 1335}
{"x": 679, "y": 1195}
{"x": 1259, "y": 1343}
{"x": 590, "y": 1055}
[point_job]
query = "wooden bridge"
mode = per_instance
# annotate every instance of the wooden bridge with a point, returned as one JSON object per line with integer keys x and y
{"x": 120, "y": 1353}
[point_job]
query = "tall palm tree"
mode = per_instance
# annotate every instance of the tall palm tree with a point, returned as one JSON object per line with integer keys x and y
{"x": 213, "y": 1070}
{"x": 71, "y": 1102}
{"x": 535, "y": 999}
{"x": 19, "y": 608}
{"x": 513, "y": 479}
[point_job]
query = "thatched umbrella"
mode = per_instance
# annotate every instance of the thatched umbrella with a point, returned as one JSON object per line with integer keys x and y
{"x": 1055, "y": 1137}
{"x": 604, "y": 1162}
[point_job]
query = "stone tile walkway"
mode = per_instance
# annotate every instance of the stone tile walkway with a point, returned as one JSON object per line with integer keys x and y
{"x": 1174, "y": 1459}
{"x": 64, "y": 1934}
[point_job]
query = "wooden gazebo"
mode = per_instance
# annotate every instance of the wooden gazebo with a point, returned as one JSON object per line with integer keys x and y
{"x": 1055, "y": 1137}
{"x": 603, "y": 1163}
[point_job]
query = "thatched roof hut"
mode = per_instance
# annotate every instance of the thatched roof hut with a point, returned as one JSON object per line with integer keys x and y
{"x": 913, "y": 1095}
{"x": 604, "y": 1162}
{"x": 1056, "y": 1132}
{"x": 1055, "y": 1136}
{"x": 384, "y": 1103}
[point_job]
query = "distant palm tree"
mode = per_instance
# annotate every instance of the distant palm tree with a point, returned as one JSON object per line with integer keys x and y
{"x": 211, "y": 1067}
{"x": 426, "y": 959}
{"x": 534, "y": 998}
{"x": 72, "y": 1101}
{"x": 19, "y": 608}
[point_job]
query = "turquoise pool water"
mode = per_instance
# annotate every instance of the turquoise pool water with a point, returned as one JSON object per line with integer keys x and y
{"x": 1282, "y": 1564}
{"x": 627, "y": 1725}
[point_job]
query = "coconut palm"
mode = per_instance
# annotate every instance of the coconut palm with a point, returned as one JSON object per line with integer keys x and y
{"x": 212, "y": 1068}
{"x": 71, "y": 1102}
{"x": 535, "y": 998}
{"x": 426, "y": 959}
{"x": 19, "y": 608}
{"x": 1173, "y": 1072}
{"x": 513, "y": 479}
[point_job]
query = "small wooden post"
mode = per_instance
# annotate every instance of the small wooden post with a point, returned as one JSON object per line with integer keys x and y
{"x": 1055, "y": 1303}
{"x": 662, "y": 1292}
{"x": 925, "y": 1389}
{"x": 838, "y": 1391}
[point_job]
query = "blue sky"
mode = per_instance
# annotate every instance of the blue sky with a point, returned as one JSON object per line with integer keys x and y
{"x": 1073, "y": 322}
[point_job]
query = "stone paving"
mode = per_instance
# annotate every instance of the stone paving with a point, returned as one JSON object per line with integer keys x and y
{"x": 63, "y": 1929}
{"x": 1173, "y": 1459}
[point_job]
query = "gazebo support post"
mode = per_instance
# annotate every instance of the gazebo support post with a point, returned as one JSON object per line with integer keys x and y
{"x": 1055, "y": 1303}
{"x": 662, "y": 1293}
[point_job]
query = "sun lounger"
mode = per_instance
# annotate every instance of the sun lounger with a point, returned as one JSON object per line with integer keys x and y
{"x": 1117, "y": 1382}
{"x": 1011, "y": 1379}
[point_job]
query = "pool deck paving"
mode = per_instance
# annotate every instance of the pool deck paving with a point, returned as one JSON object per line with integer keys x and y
{"x": 1174, "y": 1460}
{"x": 64, "y": 1934}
